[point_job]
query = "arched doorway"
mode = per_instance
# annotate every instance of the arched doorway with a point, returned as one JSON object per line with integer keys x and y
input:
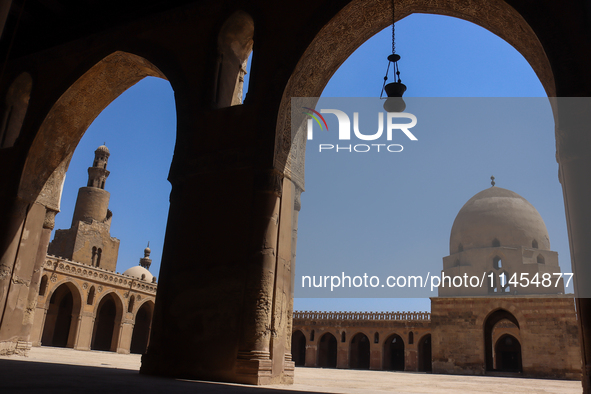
{"x": 508, "y": 354}
{"x": 394, "y": 353}
{"x": 425, "y": 359}
{"x": 62, "y": 317}
{"x": 511, "y": 346}
{"x": 106, "y": 325}
{"x": 327, "y": 351}
{"x": 359, "y": 352}
{"x": 298, "y": 348}
{"x": 141, "y": 329}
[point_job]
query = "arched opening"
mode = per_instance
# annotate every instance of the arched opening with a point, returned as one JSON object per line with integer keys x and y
{"x": 141, "y": 328}
{"x": 343, "y": 337}
{"x": 359, "y": 352}
{"x": 90, "y": 298}
{"x": 394, "y": 353}
{"x": 298, "y": 348}
{"x": 534, "y": 244}
{"x": 496, "y": 243}
{"x": 508, "y": 354}
{"x": 235, "y": 42}
{"x": 312, "y": 336}
{"x": 489, "y": 324}
{"x": 130, "y": 305}
{"x": 460, "y": 248}
{"x": 105, "y": 335}
{"x": 327, "y": 351}
{"x": 541, "y": 259}
{"x": 61, "y": 320}
{"x": 497, "y": 262}
{"x": 376, "y": 337}
{"x": 425, "y": 359}
{"x": 14, "y": 108}
{"x": 411, "y": 338}
{"x": 43, "y": 285}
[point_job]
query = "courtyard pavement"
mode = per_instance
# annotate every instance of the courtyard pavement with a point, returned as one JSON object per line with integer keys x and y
{"x": 57, "y": 370}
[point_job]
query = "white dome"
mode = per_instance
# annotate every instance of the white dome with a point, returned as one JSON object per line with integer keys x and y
{"x": 138, "y": 271}
{"x": 498, "y": 214}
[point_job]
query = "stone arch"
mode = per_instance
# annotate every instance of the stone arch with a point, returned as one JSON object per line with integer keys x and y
{"x": 359, "y": 20}
{"x": 61, "y": 320}
{"x": 107, "y": 323}
{"x": 491, "y": 320}
{"x": 393, "y": 354}
{"x": 235, "y": 42}
{"x": 142, "y": 327}
{"x": 14, "y": 109}
{"x": 508, "y": 354}
{"x": 298, "y": 348}
{"x": 425, "y": 355}
{"x": 327, "y": 351}
{"x": 359, "y": 351}
{"x": 69, "y": 117}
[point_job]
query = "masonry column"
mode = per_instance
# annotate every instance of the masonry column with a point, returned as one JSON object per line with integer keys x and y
{"x": 573, "y": 139}
{"x": 297, "y": 205}
{"x": 16, "y": 319}
{"x": 343, "y": 351}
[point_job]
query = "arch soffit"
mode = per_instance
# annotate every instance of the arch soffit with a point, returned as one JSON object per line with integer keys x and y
{"x": 358, "y": 21}
{"x": 392, "y": 334}
{"x": 119, "y": 302}
{"x": 74, "y": 111}
{"x": 368, "y": 336}
{"x": 502, "y": 305}
{"x": 423, "y": 337}
{"x": 74, "y": 288}
{"x": 146, "y": 303}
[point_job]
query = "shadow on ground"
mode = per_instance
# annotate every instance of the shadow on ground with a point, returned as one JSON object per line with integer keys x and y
{"x": 36, "y": 377}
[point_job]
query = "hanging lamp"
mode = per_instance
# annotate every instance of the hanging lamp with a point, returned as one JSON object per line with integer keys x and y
{"x": 394, "y": 90}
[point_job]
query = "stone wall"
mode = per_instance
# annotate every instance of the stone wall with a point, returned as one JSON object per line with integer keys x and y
{"x": 548, "y": 334}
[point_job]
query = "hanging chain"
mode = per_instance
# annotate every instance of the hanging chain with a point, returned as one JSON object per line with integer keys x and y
{"x": 393, "y": 26}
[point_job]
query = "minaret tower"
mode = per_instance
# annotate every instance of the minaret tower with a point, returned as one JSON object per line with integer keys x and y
{"x": 146, "y": 261}
{"x": 93, "y": 200}
{"x": 88, "y": 240}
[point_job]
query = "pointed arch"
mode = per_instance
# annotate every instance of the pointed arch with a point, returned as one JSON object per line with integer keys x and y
{"x": 107, "y": 324}
{"x": 61, "y": 321}
{"x": 327, "y": 351}
{"x": 142, "y": 328}
{"x": 69, "y": 117}
{"x": 298, "y": 348}
{"x": 393, "y": 353}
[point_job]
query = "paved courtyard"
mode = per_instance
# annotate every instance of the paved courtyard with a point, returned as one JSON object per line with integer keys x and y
{"x": 55, "y": 370}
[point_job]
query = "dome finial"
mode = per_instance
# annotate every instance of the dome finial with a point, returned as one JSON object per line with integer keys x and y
{"x": 492, "y": 180}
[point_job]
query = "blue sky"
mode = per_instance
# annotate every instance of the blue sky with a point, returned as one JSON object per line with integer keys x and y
{"x": 414, "y": 198}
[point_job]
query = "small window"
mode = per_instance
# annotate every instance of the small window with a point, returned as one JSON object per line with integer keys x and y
{"x": 497, "y": 262}
{"x": 99, "y": 252}
{"x": 496, "y": 243}
{"x": 541, "y": 259}
{"x": 534, "y": 244}
{"x": 130, "y": 306}
{"x": 43, "y": 285}
{"x": 376, "y": 338}
{"x": 460, "y": 248}
{"x": 93, "y": 262}
{"x": 312, "y": 336}
{"x": 343, "y": 337}
{"x": 90, "y": 298}
{"x": 457, "y": 263}
{"x": 411, "y": 338}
